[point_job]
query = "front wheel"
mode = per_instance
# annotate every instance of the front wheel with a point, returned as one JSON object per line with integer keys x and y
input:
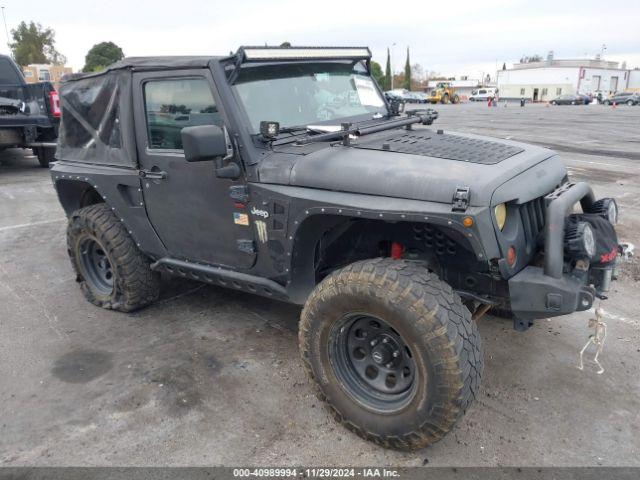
{"x": 113, "y": 273}
{"x": 630, "y": 103}
{"x": 395, "y": 354}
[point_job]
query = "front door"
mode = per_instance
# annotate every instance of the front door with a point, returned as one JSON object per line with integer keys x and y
{"x": 535, "y": 94}
{"x": 189, "y": 207}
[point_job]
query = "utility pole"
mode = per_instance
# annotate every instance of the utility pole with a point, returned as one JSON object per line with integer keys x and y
{"x": 6, "y": 31}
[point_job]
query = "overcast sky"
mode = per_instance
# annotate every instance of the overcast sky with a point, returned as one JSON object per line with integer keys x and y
{"x": 454, "y": 38}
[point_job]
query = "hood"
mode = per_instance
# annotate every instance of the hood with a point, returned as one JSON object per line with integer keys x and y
{"x": 418, "y": 165}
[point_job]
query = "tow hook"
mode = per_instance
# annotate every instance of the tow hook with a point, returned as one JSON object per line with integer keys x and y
{"x": 625, "y": 252}
{"x": 596, "y": 339}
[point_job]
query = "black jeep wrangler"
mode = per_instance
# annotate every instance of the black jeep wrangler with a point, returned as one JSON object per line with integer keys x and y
{"x": 284, "y": 172}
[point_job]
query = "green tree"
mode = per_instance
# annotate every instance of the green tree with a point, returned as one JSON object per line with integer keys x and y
{"x": 387, "y": 73}
{"x": 376, "y": 73}
{"x": 407, "y": 73}
{"x": 101, "y": 55}
{"x": 34, "y": 44}
{"x": 285, "y": 45}
{"x": 504, "y": 66}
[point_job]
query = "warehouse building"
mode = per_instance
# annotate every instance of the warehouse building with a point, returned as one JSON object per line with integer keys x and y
{"x": 545, "y": 80}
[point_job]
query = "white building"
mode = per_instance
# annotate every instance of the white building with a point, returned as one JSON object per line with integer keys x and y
{"x": 545, "y": 80}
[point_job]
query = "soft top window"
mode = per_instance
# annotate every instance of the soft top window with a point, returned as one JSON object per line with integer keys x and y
{"x": 90, "y": 127}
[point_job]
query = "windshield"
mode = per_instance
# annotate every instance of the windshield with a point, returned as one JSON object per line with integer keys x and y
{"x": 307, "y": 94}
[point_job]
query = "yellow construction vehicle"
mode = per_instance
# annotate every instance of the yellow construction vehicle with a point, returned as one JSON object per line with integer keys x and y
{"x": 443, "y": 93}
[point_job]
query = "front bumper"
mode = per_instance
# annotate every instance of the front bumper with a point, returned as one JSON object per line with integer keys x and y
{"x": 541, "y": 292}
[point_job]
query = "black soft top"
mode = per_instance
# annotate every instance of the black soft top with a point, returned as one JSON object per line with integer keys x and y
{"x": 148, "y": 63}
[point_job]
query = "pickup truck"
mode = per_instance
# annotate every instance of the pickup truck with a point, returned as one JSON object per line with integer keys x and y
{"x": 29, "y": 113}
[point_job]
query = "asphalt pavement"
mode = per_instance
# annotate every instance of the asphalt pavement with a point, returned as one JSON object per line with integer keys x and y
{"x": 208, "y": 376}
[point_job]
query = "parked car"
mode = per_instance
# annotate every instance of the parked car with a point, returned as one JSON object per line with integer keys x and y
{"x": 483, "y": 94}
{"x": 400, "y": 94}
{"x": 568, "y": 100}
{"x": 621, "y": 98}
{"x": 238, "y": 172}
{"x": 586, "y": 99}
{"x": 29, "y": 113}
{"x": 416, "y": 97}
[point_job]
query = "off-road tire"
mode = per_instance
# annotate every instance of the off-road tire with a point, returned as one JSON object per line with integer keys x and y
{"x": 456, "y": 99}
{"x": 45, "y": 155}
{"x": 432, "y": 322}
{"x": 445, "y": 99}
{"x": 135, "y": 285}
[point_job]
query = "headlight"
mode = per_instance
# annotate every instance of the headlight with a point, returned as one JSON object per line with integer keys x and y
{"x": 588, "y": 240}
{"x": 580, "y": 240}
{"x": 607, "y": 208}
{"x": 500, "y": 212}
{"x": 612, "y": 212}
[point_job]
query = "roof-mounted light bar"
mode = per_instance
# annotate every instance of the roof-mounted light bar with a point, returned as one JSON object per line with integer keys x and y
{"x": 261, "y": 54}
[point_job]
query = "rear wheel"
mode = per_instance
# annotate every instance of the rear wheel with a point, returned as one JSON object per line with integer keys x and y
{"x": 456, "y": 99}
{"x": 45, "y": 155}
{"x": 112, "y": 272}
{"x": 394, "y": 352}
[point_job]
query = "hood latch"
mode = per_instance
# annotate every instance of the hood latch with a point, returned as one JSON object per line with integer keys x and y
{"x": 461, "y": 199}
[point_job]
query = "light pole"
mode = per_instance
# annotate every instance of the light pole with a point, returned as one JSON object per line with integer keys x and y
{"x": 6, "y": 31}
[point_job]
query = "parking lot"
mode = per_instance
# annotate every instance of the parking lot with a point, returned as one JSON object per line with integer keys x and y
{"x": 208, "y": 376}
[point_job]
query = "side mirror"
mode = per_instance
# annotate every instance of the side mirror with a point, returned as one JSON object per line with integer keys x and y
{"x": 203, "y": 142}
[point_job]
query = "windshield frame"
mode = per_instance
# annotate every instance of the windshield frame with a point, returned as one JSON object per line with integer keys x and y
{"x": 232, "y": 82}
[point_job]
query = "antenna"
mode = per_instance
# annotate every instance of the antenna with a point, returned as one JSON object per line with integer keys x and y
{"x": 6, "y": 30}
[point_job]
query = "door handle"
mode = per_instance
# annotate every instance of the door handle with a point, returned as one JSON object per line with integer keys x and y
{"x": 153, "y": 174}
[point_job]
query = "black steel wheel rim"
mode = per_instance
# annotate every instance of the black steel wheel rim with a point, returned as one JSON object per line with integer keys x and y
{"x": 373, "y": 363}
{"x": 95, "y": 265}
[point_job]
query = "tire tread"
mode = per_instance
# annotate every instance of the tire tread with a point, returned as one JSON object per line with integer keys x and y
{"x": 454, "y": 333}
{"x": 136, "y": 284}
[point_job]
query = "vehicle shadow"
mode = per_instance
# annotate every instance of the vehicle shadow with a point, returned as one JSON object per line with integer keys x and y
{"x": 18, "y": 160}
{"x": 196, "y": 295}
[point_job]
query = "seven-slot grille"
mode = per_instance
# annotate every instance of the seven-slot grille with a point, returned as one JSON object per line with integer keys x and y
{"x": 533, "y": 215}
